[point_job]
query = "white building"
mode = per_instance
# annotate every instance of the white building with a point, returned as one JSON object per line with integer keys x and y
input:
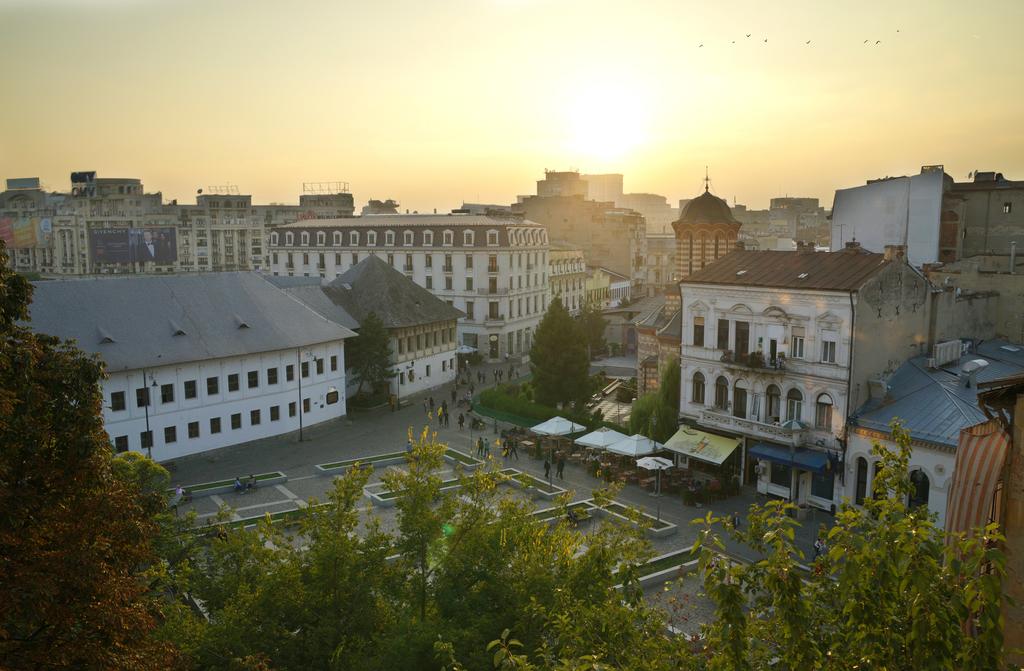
{"x": 421, "y": 326}
{"x": 202, "y": 361}
{"x": 902, "y": 211}
{"x": 495, "y": 270}
{"x": 567, "y": 276}
{"x": 777, "y": 348}
{"x": 934, "y": 398}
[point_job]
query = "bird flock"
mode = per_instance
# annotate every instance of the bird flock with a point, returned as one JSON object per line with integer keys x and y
{"x": 869, "y": 42}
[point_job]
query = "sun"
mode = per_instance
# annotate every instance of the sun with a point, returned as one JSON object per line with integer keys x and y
{"x": 606, "y": 123}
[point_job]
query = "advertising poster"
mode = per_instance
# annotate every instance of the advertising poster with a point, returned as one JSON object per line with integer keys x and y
{"x": 133, "y": 245}
{"x": 25, "y": 232}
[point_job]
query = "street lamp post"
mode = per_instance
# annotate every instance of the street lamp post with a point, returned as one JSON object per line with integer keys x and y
{"x": 149, "y": 399}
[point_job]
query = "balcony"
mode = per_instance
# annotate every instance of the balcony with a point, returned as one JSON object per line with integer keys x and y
{"x": 446, "y": 269}
{"x": 773, "y": 432}
{"x": 486, "y": 291}
{"x": 754, "y": 361}
{"x": 492, "y": 269}
{"x": 407, "y": 267}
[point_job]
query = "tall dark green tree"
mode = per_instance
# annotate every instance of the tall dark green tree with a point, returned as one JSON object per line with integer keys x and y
{"x": 76, "y": 556}
{"x": 593, "y": 324}
{"x": 558, "y": 359}
{"x": 656, "y": 414}
{"x": 369, "y": 354}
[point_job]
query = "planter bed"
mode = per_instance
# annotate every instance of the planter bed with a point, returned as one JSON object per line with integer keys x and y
{"x": 540, "y": 486}
{"x": 620, "y": 511}
{"x": 388, "y": 459}
{"x": 286, "y": 517}
{"x": 386, "y": 498}
{"x": 228, "y": 486}
{"x": 462, "y": 459}
{"x": 583, "y": 508}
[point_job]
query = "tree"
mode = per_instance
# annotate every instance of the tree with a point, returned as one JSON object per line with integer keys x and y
{"x": 558, "y": 359}
{"x": 593, "y": 324}
{"x": 656, "y": 414}
{"x": 369, "y": 354}
{"x": 77, "y": 578}
{"x": 891, "y": 592}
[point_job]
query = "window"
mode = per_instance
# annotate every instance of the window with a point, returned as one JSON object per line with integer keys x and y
{"x": 492, "y": 263}
{"x": 448, "y": 282}
{"x": 305, "y": 369}
{"x": 391, "y": 260}
{"x": 721, "y": 393}
{"x": 236, "y": 420}
{"x": 823, "y": 413}
{"x": 774, "y": 397}
{"x": 823, "y": 485}
{"x": 319, "y": 366}
{"x": 1007, "y": 209}
{"x": 389, "y": 238}
{"x": 305, "y": 259}
{"x": 448, "y": 238}
{"x": 407, "y": 238}
{"x": 469, "y": 311}
{"x": 193, "y": 429}
{"x": 698, "y": 331}
{"x": 275, "y": 413}
{"x": 289, "y": 238}
{"x": 305, "y": 239}
{"x": 121, "y": 444}
{"x": 289, "y": 372}
{"x": 430, "y": 282}
{"x": 428, "y": 370}
{"x": 334, "y": 362}
{"x": 697, "y": 395}
{"x": 723, "y": 334}
{"x": 146, "y": 439}
{"x": 861, "y": 491}
{"x": 469, "y": 261}
{"x": 781, "y": 475}
{"x": 212, "y": 386}
{"x": 919, "y": 486}
{"x": 492, "y": 309}
{"x": 333, "y": 395}
{"x": 428, "y": 239}
{"x": 190, "y": 389}
{"x": 796, "y": 351}
{"x": 739, "y": 400}
{"x": 254, "y": 418}
{"x": 353, "y": 238}
{"x": 355, "y": 258}
{"x": 117, "y": 401}
{"x": 291, "y": 409}
{"x": 371, "y": 238}
{"x": 469, "y": 283}
{"x": 253, "y": 379}
{"x": 141, "y": 397}
{"x": 305, "y": 405}
{"x": 272, "y": 376}
{"x": 428, "y": 261}
{"x": 233, "y": 382}
{"x": 828, "y": 351}
{"x": 215, "y": 425}
{"x": 170, "y": 434}
{"x": 492, "y": 238}
{"x": 742, "y": 337}
{"x": 467, "y": 238}
{"x": 337, "y": 259}
{"x": 794, "y": 405}
{"x": 321, "y": 238}
{"x": 336, "y": 240}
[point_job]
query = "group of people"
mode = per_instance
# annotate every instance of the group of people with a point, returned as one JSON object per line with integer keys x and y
{"x": 442, "y": 414}
{"x": 245, "y": 487}
{"x": 559, "y": 466}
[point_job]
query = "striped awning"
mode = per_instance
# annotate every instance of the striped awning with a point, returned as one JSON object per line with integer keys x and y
{"x": 980, "y": 457}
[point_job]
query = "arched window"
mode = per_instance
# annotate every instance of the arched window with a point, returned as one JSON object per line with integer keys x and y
{"x": 739, "y": 399}
{"x": 721, "y": 393}
{"x": 823, "y": 413}
{"x": 919, "y": 486}
{"x": 861, "y": 491}
{"x": 794, "y": 405}
{"x": 697, "y": 395}
{"x": 353, "y": 238}
{"x": 273, "y": 238}
{"x": 773, "y": 396}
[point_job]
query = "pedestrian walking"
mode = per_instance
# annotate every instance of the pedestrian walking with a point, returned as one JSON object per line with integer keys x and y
{"x": 480, "y": 446}
{"x": 819, "y": 547}
{"x": 560, "y": 472}
{"x": 447, "y": 418}
{"x": 736, "y": 520}
{"x": 431, "y": 404}
{"x": 426, "y": 408}
{"x": 453, "y": 394}
{"x": 514, "y": 448}
{"x": 547, "y": 469}
{"x": 408, "y": 445}
{"x": 462, "y": 421}
{"x": 487, "y": 448}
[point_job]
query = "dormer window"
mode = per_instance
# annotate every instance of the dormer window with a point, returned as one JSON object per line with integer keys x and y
{"x": 407, "y": 238}
{"x": 353, "y": 238}
{"x": 336, "y": 238}
{"x": 321, "y": 238}
{"x": 467, "y": 238}
{"x": 492, "y": 238}
{"x": 389, "y": 238}
{"x": 428, "y": 238}
{"x": 289, "y": 238}
{"x": 371, "y": 238}
{"x": 305, "y": 239}
{"x": 449, "y": 238}
{"x": 273, "y": 238}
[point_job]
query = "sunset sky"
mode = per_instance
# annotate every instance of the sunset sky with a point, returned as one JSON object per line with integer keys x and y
{"x": 433, "y": 102}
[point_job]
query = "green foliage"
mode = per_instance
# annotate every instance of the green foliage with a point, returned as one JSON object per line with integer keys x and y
{"x": 668, "y": 389}
{"x": 656, "y": 414}
{"x": 369, "y": 354}
{"x": 890, "y": 593}
{"x": 558, "y": 359}
{"x": 593, "y": 324}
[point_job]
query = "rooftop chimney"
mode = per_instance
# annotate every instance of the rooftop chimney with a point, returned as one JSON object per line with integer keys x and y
{"x": 895, "y": 252}
{"x": 852, "y": 244}
{"x": 969, "y": 372}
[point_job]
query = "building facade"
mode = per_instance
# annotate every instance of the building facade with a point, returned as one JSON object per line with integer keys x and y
{"x": 202, "y": 361}
{"x": 494, "y": 270}
{"x": 777, "y": 347}
{"x": 567, "y": 277}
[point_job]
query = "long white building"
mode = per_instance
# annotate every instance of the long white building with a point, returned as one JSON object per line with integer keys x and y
{"x": 201, "y": 361}
{"x": 495, "y": 270}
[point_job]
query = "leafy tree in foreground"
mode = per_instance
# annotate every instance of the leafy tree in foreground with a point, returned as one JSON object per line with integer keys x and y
{"x": 75, "y": 537}
{"x": 558, "y": 359}
{"x": 369, "y": 354}
{"x": 890, "y": 593}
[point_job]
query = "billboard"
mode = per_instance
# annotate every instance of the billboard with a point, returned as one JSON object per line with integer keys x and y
{"x": 133, "y": 245}
{"x": 25, "y": 232}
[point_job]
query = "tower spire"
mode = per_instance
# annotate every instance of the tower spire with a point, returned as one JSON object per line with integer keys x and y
{"x": 707, "y": 180}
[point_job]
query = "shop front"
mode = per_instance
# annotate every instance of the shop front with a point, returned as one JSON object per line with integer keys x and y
{"x": 798, "y": 474}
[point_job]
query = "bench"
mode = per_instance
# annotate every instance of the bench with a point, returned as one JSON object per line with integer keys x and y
{"x": 226, "y": 486}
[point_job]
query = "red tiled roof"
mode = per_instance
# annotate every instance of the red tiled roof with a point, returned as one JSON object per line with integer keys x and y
{"x": 845, "y": 270}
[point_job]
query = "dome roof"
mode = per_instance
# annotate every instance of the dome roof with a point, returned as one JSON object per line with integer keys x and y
{"x": 707, "y": 209}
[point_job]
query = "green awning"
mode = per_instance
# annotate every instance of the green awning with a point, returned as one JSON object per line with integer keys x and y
{"x": 700, "y": 445}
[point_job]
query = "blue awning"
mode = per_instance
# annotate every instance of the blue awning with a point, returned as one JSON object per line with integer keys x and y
{"x": 802, "y": 458}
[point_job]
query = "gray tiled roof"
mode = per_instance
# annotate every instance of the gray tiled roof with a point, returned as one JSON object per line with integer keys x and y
{"x": 933, "y": 404}
{"x": 373, "y": 286}
{"x": 158, "y": 320}
{"x": 844, "y": 270}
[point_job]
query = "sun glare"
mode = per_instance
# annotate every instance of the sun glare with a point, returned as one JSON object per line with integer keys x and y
{"x": 606, "y": 124}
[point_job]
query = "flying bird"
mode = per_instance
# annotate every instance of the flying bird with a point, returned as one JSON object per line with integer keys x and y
{"x": 865, "y": 41}
{"x": 807, "y": 42}
{"x": 699, "y": 46}
{"x": 748, "y": 34}
{"x": 766, "y": 40}
{"x": 878, "y": 41}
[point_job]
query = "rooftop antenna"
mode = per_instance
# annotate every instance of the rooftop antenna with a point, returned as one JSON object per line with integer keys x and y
{"x": 223, "y": 190}
{"x": 324, "y": 188}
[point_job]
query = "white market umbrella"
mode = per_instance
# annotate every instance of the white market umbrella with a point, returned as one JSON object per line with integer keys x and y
{"x": 635, "y": 446}
{"x": 557, "y": 426}
{"x": 658, "y": 464}
{"x": 601, "y": 438}
{"x": 465, "y": 349}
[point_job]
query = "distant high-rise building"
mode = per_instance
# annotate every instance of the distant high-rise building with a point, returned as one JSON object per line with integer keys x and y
{"x": 605, "y": 188}
{"x": 566, "y": 183}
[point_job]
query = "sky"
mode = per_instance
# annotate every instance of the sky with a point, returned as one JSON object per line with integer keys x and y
{"x": 439, "y": 102}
